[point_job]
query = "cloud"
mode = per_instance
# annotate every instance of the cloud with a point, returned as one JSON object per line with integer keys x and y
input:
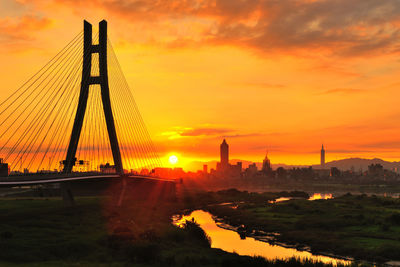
{"x": 343, "y": 91}
{"x": 242, "y": 135}
{"x": 20, "y": 29}
{"x": 264, "y": 85}
{"x": 180, "y": 132}
{"x": 204, "y": 132}
{"x": 340, "y": 27}
{"x": 387, "y": 144}
{"x": 342, "y": 70}
{"x": 349, "y": 151}
{"x": 268, "y": 148}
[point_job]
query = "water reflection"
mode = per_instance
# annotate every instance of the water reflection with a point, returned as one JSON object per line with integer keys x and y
{"x": 316, "y": 196}
{"x": 230, "y": 241}
{"x": 280, "y": 199}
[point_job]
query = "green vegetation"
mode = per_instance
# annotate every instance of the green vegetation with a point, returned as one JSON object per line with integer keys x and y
{"x": 199, "y": 199}
{"x": 359, "y": 226}
{"x": 42, "y": 232}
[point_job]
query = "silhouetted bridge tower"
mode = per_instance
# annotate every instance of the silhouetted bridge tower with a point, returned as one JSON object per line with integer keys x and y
{"x": 102, "y": 79}
{"x": 76, "y": 118}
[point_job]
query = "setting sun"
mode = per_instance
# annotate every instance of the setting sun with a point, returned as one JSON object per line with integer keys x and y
{"x": 173, "y": 159}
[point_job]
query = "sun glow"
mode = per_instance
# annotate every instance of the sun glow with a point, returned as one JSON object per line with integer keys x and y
{"x": 173, "y": 159}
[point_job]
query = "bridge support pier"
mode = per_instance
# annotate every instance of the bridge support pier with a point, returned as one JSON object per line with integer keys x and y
{"x": 66, "y": 194}
{"x": 123, "y": 189}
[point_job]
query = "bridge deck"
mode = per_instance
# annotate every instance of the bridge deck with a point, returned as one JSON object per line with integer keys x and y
{"x": 58, "y": 178}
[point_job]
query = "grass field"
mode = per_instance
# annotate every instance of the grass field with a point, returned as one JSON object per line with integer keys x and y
{"x": 43, "y": 232}
{"x": 359, "y": 226}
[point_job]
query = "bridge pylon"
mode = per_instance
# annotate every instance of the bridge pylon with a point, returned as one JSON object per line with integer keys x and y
{"x": 88, "y": 50}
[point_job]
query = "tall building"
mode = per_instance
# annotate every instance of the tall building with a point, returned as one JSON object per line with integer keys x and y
{"x": 205, "y": 168}
{"x": 266, "y": 167}
{"x": 322, "y": 156}
{"x": 224, "y": 153}
{"x": 224, "y": 169}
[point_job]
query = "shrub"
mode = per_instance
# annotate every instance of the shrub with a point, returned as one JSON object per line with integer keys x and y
{"x": 389, "y": 252}
{"x": 395, "y": 218}
{"x": 143, "y": 252}
{"x": 149, "y": 235}
{"x": 196, "y": 232}
{"x": 6, "y": 235}
{"x": 385, "y": 227}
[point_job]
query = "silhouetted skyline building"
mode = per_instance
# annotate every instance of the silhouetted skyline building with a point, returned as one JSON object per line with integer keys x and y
{"x": 4, "y": 168}
{"x": 322, "y": 156}
{"x": 266, "y": 167}
{"x": 251, "y": 170}
{"x": 224, "y": 154}
{"x": 223, "y": 167}
{"x": 205, "y": 168}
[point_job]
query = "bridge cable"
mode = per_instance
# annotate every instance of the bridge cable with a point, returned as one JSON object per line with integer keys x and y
{"x": 39, "y": 113}
{"x": 145, "y": 146}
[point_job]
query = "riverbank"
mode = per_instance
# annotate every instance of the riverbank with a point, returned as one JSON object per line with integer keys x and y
{"x": 231, "y": 239}
{"x": 42, "y": 232}
{"x": 310, "y": 186}
{"x": 362, "y": 227}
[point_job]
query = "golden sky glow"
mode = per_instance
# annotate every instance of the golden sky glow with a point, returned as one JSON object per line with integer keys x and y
{"x": 279, "y": 75}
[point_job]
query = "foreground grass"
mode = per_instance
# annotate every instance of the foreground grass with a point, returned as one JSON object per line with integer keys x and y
{"x": 362, "y": 227}
{"x": 42, "y": 232}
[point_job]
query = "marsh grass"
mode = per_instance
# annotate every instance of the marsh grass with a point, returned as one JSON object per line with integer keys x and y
{"x": 42, "y": 232}
{"x": 359, "y": 226}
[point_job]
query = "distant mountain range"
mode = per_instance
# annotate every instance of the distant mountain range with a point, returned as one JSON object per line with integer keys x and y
{"x": 360, "y": 164}
{"x": 344, "y": 164}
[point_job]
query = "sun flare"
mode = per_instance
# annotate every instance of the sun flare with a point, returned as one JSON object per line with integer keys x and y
{"x": 173, "y": 159}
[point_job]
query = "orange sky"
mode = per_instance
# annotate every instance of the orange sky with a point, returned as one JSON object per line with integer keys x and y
{"x": 278, "y": 75}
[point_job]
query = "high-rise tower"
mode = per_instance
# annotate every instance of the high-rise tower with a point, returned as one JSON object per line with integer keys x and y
{"x": 266, "y": 167}
{"x": 224, "y": 153}
{"x": 322, "y": 156}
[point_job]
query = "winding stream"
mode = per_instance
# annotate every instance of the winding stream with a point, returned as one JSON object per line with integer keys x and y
{"x": 230, "y": 241}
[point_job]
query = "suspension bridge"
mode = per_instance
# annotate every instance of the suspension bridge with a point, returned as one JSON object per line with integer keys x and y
{"x": 75, "y": 119}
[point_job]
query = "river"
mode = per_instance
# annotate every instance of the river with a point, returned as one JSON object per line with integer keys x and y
{"x": 230, "y": 241}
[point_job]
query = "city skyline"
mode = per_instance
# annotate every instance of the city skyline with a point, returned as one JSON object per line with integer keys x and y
{"x": 224, "y": 162}
{"x": 340, "y": 92}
